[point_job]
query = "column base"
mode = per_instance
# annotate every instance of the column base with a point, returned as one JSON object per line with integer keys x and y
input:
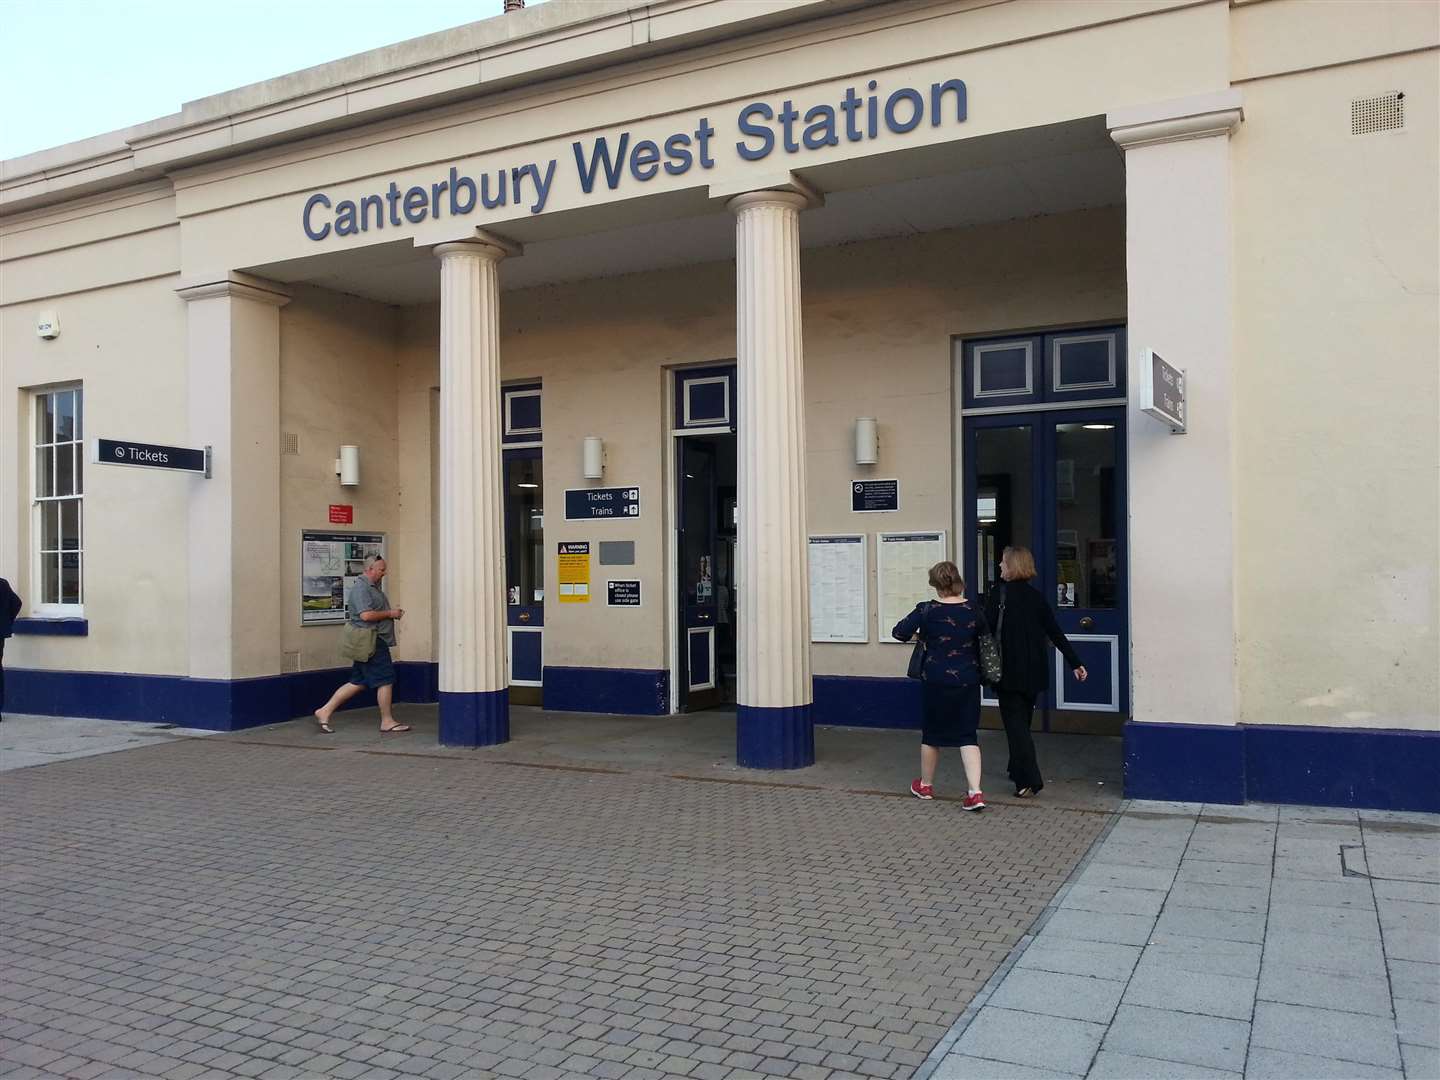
{"x": 474, "y": 719}
{"x": 774, "y": 738}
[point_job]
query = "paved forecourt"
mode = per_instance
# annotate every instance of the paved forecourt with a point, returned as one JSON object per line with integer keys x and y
{"x": 1215, "y": 942}
{"x": 225, "y": 907}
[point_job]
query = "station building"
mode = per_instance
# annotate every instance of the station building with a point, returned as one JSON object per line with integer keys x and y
{"x": 660, "y": 346}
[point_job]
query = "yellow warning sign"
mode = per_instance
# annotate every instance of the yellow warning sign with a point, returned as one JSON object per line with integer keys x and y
{"x": 573, "y": 576}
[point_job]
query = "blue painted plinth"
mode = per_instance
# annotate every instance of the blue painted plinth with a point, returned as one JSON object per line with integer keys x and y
{"x": 474, "y": 719}
{"x": 774, "y": 738}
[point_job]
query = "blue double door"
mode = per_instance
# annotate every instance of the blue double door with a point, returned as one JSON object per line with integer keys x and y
{"x": 1053, "y": 481}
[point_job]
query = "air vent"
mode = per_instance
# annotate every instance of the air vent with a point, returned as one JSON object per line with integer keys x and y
{"x": 289, "y": 442}
{"x": 1383, "y": 112}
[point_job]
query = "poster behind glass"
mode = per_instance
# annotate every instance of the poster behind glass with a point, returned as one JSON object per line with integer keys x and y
{"x": 329, "y": 564}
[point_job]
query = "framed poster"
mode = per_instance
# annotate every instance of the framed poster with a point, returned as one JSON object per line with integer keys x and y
{"x": 329, "y": 562}
{"x": 902, "y": 564}
{"x": 839, "y": 588}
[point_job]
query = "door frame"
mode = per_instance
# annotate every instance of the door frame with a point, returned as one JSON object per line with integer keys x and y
{"x": 1042, "y": 421}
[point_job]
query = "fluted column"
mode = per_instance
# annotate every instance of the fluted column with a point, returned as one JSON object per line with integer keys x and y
{"x": 774, "y": 728}
{"x": 474, "y": 690}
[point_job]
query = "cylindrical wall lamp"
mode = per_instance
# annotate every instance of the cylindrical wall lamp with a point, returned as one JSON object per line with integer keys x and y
{"x": 347, "y": 466}
{"x": 867, "y": 441}
{"x": 594, "y": 457}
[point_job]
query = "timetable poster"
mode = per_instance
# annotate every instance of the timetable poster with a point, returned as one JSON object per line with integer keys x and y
{"x": 329, "y": 563}
{"x": 838, "y": 589}
{"x": 902, "y": 563}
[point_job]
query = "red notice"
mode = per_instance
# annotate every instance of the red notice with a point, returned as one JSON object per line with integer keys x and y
{"x": 341, "y": 514}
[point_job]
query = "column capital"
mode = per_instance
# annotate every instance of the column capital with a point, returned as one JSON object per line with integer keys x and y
{"x": 234, "y": 285}
{"x": 1200, "y": 117}
{"x": 483, "y": 245}
{"x": 782, "y": 189}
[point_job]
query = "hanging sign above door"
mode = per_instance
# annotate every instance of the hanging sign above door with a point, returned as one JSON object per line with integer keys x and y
{"x": 1162, "y": 391}
{"x": 589, "y": 504}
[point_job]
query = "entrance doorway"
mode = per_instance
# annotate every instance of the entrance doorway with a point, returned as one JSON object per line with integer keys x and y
{"x": 705, "y": 538}
{"x": 523, "y": 476}
{"x": 1051, "y": 477}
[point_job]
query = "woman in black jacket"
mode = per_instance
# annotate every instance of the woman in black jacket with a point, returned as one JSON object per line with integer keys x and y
{"x": 1028, "y": 622}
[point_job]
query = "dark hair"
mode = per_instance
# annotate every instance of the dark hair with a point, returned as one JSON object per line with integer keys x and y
{"x": 945, "y": 579}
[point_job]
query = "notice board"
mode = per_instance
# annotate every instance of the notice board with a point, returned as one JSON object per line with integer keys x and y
{"x": 329, "y": 563}
{"x": 839, "y": 608}
{"x": 902, "y": 565}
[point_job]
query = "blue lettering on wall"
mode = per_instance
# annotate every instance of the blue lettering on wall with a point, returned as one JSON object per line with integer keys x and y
{"x": 610, "y": 159}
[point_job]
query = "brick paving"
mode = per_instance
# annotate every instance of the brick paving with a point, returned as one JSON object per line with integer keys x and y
{"x": 222, "y": 908}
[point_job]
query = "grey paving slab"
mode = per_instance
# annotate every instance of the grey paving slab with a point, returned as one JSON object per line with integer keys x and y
{"x": 1116, "y": 899}
{"x": 1266, "y": 812}
{"x": 1043, "y": 1042}
{"x": 1213, "y": 872}
{"x": 1070, "y": 956}
{"x": 1421, "y": 1062}
{"x": 1110, "y": 1065}
{"x": 1100, "y": 926}
{"x": 1345, "y": 1036}
{"x": 1420, "y": 982}
{"x": 1330, "y": 921}
{"x": 964, "y": 1067}
{"x": 1414, "y": 945}
{"x": 1211, "y": 923}
{"x": 1049, "y": 993}
{"x": 1325, "y": 990}
{"x": 1267, "y": 1064}
{"x": 1352, "y": 893}
{"x": 1119, "y": 875}
{"x": 1159, "y": 985}
{"x": 1321, "y": 952}
{"x": 1420, "y": 892}
{"x": 1208, "y": 1041}
{"x": 1418, "y": 1022}
{"x": 1249, "y": 898}
{"x": 1408, "y": 916}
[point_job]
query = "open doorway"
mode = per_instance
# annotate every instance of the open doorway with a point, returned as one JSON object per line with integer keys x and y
{"x": 705, "y": 538}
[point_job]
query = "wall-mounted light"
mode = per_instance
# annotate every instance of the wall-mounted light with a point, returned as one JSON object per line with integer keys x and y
{"x": 867, "y": 441}
{"x": 347, "y": 466}
{"x": 593, "y": 458}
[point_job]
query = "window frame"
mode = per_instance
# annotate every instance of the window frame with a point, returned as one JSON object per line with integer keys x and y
{"x": 40, "y": 606}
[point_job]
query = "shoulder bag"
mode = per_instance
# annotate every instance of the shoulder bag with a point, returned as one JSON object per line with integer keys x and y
{"x": 357, "y": 642}
{"x": 989, "y": 648}
{"x": 916, "y": 669}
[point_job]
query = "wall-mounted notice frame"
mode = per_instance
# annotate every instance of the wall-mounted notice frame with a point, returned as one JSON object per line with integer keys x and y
{"x": 902, "y": 566}
{"x": 329, "y": 564}
{"x": 839, "y": 589}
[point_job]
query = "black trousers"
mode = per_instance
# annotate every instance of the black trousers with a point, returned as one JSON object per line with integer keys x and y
{"x": 2, "y": 676}
{"x": 1015, "y": 710}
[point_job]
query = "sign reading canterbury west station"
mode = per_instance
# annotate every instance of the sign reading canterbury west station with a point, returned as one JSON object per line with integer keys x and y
{"x": 613, "y": 160}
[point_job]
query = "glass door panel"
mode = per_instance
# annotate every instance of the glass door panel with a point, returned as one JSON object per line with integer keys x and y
{"x": 700, "y": 584}
{"x": 525, "y": 571}
{"x": 1003, "y": 500}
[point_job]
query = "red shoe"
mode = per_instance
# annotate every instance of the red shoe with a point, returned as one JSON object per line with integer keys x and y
{"x": 974, "y": 801}
{"x": 922, "y": 791}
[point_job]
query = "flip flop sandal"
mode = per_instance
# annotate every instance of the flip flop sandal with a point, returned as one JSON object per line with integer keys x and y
{"x": 398, "y": 729}
{"x": 325, "y": 728}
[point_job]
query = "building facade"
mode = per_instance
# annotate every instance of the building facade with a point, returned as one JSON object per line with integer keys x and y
{"x": 661, "y": 346}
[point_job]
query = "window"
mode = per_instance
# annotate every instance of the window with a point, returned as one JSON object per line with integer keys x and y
{"x": 59, "y": 502}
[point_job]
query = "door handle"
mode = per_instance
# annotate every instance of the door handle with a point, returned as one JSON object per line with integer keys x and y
{"x": 1087, "y": 623}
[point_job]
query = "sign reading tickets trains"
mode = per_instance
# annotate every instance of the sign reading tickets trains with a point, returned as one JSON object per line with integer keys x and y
{"x": 618, "y": 160}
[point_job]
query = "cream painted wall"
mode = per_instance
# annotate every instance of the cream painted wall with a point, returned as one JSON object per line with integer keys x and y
{"x": 1338, "y": 400}
{"x": 338, "y": 385}
{"x": 879, "y": 320}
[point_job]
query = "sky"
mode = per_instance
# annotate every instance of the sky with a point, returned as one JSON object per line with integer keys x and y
{"x": 77, "y": 68}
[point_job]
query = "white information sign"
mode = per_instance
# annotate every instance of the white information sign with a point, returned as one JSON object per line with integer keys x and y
{"x": 902, "y": 564}
{"x": 839, "y": 589}
{"x": 330, "y": 561}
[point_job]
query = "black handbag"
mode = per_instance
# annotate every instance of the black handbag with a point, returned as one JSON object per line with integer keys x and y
{"x": 916, "y": 670}
{"x": 989, "y": 648}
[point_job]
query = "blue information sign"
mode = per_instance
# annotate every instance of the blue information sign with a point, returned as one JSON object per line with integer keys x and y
{"x": 590, "y": 504}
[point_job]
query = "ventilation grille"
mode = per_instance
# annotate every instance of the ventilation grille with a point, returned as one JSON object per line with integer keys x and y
{"x": 1383, "y": 112}
{"x": 289, "y": 442}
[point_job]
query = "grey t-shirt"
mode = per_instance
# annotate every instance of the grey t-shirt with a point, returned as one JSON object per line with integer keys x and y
{"x": 366, "y": 597}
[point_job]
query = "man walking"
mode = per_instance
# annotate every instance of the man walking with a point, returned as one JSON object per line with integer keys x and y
{"x": 367, "y": 605}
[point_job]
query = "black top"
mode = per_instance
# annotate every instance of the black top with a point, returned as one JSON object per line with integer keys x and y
{"x": 950, "y": 632}
{"x": 1028, "y": 623}
{"x": 9, "y": 608}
